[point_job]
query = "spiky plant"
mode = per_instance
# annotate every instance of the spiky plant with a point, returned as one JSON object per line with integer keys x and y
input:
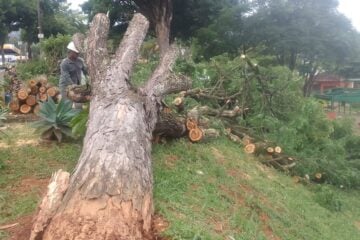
{"x": 55, "y": 119}
{"x": 3, "y": 114}
{"x": 78, "y": 123}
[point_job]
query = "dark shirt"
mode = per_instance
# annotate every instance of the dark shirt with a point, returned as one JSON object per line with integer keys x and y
{"x": 71, "y": 72}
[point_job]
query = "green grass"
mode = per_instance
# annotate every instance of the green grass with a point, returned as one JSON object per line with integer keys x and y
{"x": 238, "y": 198}
{"x": 24, "y": 158}
{"x": 204, "y": 191}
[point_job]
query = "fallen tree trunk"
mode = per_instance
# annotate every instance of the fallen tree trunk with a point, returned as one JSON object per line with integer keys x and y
{"x": 110, "y": 193}
{"x": 169, "y": 126}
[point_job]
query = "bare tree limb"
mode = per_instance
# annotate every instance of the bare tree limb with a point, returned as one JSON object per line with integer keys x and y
{"x": 126, "y": 55}
{"x": 96, "y": 45}
{"x": 162, "y": 81}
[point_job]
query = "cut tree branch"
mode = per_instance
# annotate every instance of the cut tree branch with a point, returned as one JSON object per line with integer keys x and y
{"x": 95, "y": 45}
{"x": 125, "y": 58}
{"x": 160, "y": 82}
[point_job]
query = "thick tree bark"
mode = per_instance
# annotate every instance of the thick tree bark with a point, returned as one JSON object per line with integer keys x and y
{"x": 110, "y": 192}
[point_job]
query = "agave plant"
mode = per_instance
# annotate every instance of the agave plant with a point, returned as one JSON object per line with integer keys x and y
{"x": 55, "y": 119}
{"x": 3, "y": 114}
{"x": 78, "y": 123}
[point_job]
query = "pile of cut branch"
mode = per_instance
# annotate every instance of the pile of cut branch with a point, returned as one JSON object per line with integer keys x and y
{"x": 178, "y": 121}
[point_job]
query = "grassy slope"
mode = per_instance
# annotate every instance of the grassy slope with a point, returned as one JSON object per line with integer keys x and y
{"x": 204, "y": 191}
{"x": 237, "y": 198}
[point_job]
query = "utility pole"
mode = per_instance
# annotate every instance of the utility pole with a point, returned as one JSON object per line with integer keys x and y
{"x": 39, "y": 13}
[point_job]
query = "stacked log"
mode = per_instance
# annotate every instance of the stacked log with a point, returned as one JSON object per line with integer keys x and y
{"x": 269, "y": 153}
{"x": 198, "y": 127}
{"x": 26, "y": 99}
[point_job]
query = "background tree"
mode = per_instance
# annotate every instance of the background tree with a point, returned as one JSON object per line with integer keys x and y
{"x": 307, "y": 36}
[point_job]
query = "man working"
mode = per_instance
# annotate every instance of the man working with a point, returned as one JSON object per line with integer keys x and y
{"x": 71, "y": 69}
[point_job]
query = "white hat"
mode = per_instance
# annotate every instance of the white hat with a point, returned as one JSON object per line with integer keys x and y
{"x": 71, "y": 47}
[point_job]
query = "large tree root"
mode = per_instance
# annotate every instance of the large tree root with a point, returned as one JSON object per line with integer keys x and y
{"x": 95, "y": 220}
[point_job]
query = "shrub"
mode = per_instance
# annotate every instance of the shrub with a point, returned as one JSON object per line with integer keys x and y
{"x": 54, "y": 49}
{"x": 32, "y": 68}
{"x": 279, "y": 113}
{"x": 326, "y": 198}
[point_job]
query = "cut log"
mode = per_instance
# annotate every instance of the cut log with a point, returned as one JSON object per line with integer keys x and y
{"x": 43, "y": 97}
{"x": 23, "y": 93}
{"x": 42, "y": 80}
{"x": 34, "y": 90}
{"x": 270, "y": 150}
{"x": 318, "y": 177}
{"x": 36, "y": 109}
{"x": 179, "y": 104}
{"x": 14, "y": 105}
{"x": 42, "y": 89}
{"x": 52, "y": 91}
{"x": 169, "y": 126}
{"x": 195, "y": 135}
{"x": 178, "y": 101}
{"x": 25, "y": 108}
{"x": 206, "y": 110}
{"x": 232, "y": 137}
{"x": 32, "y": 83}
{"x": 191, "y": 124}
{"x": 204, "y": 122}
{"x": 246, "y": 140}
{"x": 250, "y": 148}
{"x": 31, "y": 100}
{"x": 277, "y": 149}
{"x": 210, "y": 133}
{"x": 194, "y": 114}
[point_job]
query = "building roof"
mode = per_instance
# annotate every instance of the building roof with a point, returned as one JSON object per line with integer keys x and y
{"x": 10, "y": 49}
{"x": 328, "y": 77}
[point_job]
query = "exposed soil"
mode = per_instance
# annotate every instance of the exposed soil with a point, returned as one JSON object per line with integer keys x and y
{"x": 23, "y": 229}
{"x": 21, "y": 117}
{"x": 219, "y": 156}
{"x": 269, "y": 234}
{"x": 357, "y": 225}
{"x": 170, "y": 161}
{"x": 29, "y": 183}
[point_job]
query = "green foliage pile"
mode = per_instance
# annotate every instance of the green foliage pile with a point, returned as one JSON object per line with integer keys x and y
{"x": 279, "y": 113}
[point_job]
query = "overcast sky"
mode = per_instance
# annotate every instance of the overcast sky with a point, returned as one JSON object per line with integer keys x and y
{"x": 351, "y": 8}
